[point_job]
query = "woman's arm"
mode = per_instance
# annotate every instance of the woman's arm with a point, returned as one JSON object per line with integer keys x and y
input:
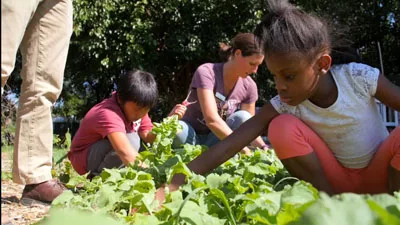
{"x": 388, "y": 93}
{"x": 210, "y": 113}
{"x": 251, "y": 108}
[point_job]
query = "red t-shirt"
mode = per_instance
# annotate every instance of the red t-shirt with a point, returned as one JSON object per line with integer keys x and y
{"x": 101, "y": 120}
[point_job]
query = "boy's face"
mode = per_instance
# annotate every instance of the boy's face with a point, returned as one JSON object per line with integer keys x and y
{"x": 133, "y": 111}
{"x": 296, "y": 79}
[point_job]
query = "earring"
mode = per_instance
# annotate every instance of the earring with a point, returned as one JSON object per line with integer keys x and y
{"x": 323, "y": 70}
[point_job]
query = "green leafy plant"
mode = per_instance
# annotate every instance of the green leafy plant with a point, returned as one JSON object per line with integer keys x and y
{"x": 244, "y": 190}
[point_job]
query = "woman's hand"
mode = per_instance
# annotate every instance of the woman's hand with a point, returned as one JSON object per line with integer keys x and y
{"x": 179, "y": 110}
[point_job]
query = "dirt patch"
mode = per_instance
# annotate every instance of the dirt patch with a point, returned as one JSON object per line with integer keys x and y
{"x": 11, "y": 209}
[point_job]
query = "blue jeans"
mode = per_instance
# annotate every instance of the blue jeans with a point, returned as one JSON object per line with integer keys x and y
{"x": 189, "y": 135}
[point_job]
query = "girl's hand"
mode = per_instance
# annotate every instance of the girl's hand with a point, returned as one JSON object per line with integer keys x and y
{"x": 143, "y": 165}
{"x": 179, "y": 110}
{"x": 160, "y": 195}
{"x": 266, "y": 147}
{"x": 246, "y": 151}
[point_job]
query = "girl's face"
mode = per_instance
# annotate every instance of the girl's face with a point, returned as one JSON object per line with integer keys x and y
{"x": 296, "y": 78}
{"x": 247, "y": 65}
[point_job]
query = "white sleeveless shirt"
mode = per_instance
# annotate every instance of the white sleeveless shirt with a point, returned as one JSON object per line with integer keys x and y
{"x": 352, "y": 126}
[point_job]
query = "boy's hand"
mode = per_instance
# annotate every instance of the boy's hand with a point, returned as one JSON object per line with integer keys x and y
{"x": 179, "y": 110}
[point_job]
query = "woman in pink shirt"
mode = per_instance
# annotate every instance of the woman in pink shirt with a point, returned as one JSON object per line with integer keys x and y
{"x": 223, "y": 95}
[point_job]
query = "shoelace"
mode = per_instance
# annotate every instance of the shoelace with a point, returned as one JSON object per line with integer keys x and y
{"x": 59, "y": 184}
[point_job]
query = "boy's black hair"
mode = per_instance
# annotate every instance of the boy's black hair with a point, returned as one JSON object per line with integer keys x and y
{"x": 138, "y": 86}
{"x": 288, "y": 29}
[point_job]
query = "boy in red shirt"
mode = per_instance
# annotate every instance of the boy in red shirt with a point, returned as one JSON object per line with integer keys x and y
{"x": 109, "y": 134}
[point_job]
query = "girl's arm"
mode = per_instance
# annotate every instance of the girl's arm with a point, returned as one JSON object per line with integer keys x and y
{"x": 251, "y": 108}
{"x": 210, "y": 113}
{"x": 224, "y": 150}
{"x": 388, "y": 93}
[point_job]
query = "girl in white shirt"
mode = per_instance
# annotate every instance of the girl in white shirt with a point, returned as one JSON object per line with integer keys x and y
{"x": 323, "y": 124}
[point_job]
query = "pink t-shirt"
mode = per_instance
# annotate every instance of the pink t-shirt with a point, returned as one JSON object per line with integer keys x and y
{"x": 210, "y": 76}
{"x": 101, "y": 120}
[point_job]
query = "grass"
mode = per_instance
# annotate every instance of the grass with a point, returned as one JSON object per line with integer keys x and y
{"x": 58, "y": 155}
{"x": 7, "y": 148}
{"x": 6, "y": 175}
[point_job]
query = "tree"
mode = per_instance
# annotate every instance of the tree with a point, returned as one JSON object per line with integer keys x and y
{"x": 170, "y": 38}
{"x": 368, "y": 22}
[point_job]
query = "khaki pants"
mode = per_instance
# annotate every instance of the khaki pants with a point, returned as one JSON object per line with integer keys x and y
{"x": 41, "y": 29}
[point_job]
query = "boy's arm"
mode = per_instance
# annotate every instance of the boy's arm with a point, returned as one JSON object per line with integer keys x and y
{"x": 145, "y": 128}
{"x": 224, "y": 150}
{"x": 147, "y": 136}
{"x": 388, "y": 93}
{"x": 123, "y": 147}
{"x": 179, "y": 110}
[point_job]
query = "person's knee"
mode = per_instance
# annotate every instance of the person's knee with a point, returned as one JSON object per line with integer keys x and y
{"x": 134, "y": 139}
{"x": 396, "y": 133}
{"x": 238, "y": 118}
{"x": 280, "y": 125}
{"x": 182, "y": 136}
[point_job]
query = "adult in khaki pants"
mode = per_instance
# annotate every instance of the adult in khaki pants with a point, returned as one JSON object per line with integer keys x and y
{"x": 41, "y": 29}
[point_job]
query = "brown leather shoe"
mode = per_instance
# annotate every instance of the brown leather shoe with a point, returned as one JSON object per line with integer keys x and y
{"x": 44, "y": 192}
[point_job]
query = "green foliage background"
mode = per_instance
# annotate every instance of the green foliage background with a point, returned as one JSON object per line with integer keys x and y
{"x": 170, "y": 38}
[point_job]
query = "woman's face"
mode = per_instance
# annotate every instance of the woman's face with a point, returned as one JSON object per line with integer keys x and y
{"x": 296, "y": 78}
{"x": 247, "y": 65}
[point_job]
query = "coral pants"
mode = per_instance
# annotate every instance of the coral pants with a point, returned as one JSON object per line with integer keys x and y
{"x": 290, "y": 138}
